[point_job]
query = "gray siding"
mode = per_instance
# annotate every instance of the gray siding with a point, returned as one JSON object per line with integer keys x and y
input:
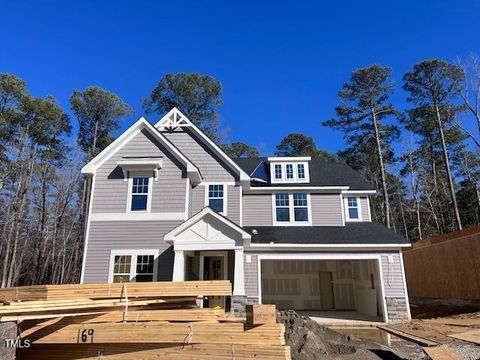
{"x": 233, "y": 206}
{"x": 198, "y": 198}
{"x": 257, "y": 210}
{"x": 168, "y": 195}
{"x": 251, "y": 276}
{"x": 117, "y": 235}
{"x": 364, "y": 208}
{"x": 326, "y": 209}
{"x": 211, "y": 166}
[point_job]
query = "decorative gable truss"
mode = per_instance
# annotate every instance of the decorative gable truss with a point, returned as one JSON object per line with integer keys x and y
{"x": 176, "y": 119}
{"x": 141, "y": 124}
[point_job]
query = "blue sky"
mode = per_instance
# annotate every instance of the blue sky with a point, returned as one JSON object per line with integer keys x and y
{"x": 281, "y": 63}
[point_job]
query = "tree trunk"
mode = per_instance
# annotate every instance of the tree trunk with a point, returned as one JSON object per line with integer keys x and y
{"x": 447, "y": 168}
{"x": 386, "y": 203}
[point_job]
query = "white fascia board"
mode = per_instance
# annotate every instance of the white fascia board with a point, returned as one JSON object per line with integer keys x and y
{"x": 170, "y": 236}
{"x": 270, "y": 189}
{"x": 243, "y": 175}
{"x": 359, "y": 192}
{"x": 330, "y": 246}
{"x": 287, "y": 158}
{"x": 127, "y": 163}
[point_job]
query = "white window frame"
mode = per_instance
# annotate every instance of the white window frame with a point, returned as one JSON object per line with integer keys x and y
{"x": 133, "y": 265}
{"x": 359, "y": 208}
{"x": 295, "y": 178}
{"x": 149, "y": 194}
{"x": 225, "y": 196}
{"x": 291, "y": 209}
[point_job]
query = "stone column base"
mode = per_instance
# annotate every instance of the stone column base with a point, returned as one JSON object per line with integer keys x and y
{"x": 238, "y": 305}
{"x": 397, "y": 310}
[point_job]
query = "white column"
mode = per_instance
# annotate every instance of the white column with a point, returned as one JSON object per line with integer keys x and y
{"x": 238, "y": 277}
{"x": 179, "y": 266}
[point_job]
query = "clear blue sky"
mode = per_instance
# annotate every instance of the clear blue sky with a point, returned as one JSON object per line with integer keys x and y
{"x": 281, "y": 63}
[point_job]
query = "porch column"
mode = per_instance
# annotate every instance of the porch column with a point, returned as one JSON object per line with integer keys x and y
{"x": 238, "y": 277}
{"x": 179, "y": 266}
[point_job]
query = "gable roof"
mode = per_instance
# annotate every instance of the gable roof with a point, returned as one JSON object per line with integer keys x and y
{"x": 322, "y": 173}
{"x": 175, "y": 118}
{"x": 132, "y": 131}
{"x": 356, "y": 233}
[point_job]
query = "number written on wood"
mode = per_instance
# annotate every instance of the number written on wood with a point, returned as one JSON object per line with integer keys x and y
{"x": 86, "y": 335}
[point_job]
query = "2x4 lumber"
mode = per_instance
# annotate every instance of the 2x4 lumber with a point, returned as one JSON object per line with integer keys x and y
{"x": 155, "y": 352}
{"x": 407, "y": 336}
{"x": 103, "y": 291}
{"x": 157, "y": 332}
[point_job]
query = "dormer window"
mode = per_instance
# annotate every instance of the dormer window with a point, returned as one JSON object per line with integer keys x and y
{"x": 352, "y": 208}
{"x": 289, "y": 169}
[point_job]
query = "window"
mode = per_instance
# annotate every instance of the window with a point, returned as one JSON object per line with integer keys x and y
{"x": 289, "y": 171}
{"x": 216, "y": 197}
{"x": 352, "y": 203}
{"x": 282, "y": 207}
{"x": 139, "y": 194}
{"x": 300, "y": 207}
{"x": 278, "y": 171}
{"x": 291, "y": 208}
{"x": 301, "y": 171}
{"x": 133, "y": 265}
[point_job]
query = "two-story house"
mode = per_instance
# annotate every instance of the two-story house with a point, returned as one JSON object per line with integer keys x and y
{"x": 168, "y": 204}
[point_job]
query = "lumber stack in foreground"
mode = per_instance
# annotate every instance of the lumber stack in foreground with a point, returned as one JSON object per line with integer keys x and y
{"x": 159, "y": 320}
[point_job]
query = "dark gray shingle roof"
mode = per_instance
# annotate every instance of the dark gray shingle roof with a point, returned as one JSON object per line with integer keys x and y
{"x": 352, "y": 233}
{"x": 322, "y": 173}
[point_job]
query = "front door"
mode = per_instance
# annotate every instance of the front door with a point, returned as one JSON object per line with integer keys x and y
{"x": 214, "y": 269}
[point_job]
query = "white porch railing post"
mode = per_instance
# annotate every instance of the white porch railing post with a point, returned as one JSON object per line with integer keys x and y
{"x": 238, "y": 277}
{"x": 179, "y": 266}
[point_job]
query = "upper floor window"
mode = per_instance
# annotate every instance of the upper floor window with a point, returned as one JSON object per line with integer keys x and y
{"x": 289, "y": 168}
{"x": 352, "y": 204}
{"x": 278, "y": 171}
{"x": 140, "y": 193}
{"x": 289, "y": 171}
{"x": 291, "y": 208}
{"x": 301, "y": 171}
{"x": 132, "y": 265}
{"x": 216, "y": 198}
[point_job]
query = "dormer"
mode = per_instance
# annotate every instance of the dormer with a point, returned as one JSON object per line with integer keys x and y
{"x": 284, "y": 170}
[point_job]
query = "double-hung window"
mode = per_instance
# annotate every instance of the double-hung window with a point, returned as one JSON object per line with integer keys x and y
{"x": 289, "y": 171}
{"x": 278, "y": 171}
{"x": 216, "y": 197}
{"x": 291, "y": 208}
{"x": 301, "y": 171}
{"x": 133, "y": 265}
{"x": 352, "y": 204}
{"x": 140, "y": 193}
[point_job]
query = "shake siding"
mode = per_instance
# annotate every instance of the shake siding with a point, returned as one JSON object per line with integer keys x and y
{"x": 211, "y": 166}
{"x": 364, "y": 208}
{"x": 326, "y": 210}
{"x": 168, "y": 193}
{"x": 233, "y": 206}
{"x": 257, "y": 210}
{"x": 117, "y": 235}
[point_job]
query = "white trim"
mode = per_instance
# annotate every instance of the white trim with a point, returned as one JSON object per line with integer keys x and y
{"x": 131, "y": 132}
{"x": 225, "y": 195}
{"x": 291, "y": 209}
{"x": 343, "y": 209}
{"x": 187, "y": 198}
{"x": 295, "y": 179}
{"x": 359, "y": 192}
{"x": 137, "y": 216}
{"x": 345, "y": 256}
{"x": 165, "y": 122}
{"x": 404, "y": 279}
{"x": 140, "y": 164}
{"x": 87, "y": 231}
{"x": 133, "y": 266}
{"x": 269, "y": 189}
{"x": 357, "y": 246}
{"x": 359, "y": 209}
{"x": 289, "y": 158}
{"x": 241, "y": 205}
{"x": 170, "y": 236}
{"x": 149, "y": 194}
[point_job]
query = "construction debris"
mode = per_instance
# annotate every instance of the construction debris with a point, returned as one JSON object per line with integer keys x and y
{"x": 160, "y": 320}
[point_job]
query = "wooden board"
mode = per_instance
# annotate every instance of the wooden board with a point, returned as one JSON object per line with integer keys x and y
{"x": 437, "y": 353}
{"x": 407, "y": 336}
{"x": 261, "y": 314}
{"x": 470, "y": 336}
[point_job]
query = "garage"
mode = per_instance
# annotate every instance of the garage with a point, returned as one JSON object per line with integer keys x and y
{"x": 331, "y": 288}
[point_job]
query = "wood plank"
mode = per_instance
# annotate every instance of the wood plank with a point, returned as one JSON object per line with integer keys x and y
{"x": 438, "y": 353}
{"x": 407, "y": 336}
{"x": 470, "y": 336}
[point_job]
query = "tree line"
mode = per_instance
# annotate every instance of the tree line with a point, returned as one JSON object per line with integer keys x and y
{"x": 426, "y": 180}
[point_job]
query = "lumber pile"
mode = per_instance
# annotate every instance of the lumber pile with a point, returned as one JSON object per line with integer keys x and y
{"x": 159, "y": 320}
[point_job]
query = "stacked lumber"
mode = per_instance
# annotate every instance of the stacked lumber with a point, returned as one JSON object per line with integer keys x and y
{"x": 159, "y": 320}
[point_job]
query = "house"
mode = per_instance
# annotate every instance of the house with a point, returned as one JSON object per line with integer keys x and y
{"x": 168, "y": 204}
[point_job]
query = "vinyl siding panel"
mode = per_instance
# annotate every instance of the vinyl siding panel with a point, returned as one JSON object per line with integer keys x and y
{"x": 105, "y": 236}
{"x": 326, "y": 209}
{"x": 251, "y": 276}
{"x": 364, "y": 208}
{"x": 198, "y": 198}
{"x": 233, "y": 206}
{"x": 211, "y": 166}
{"x": 168, "y": 193}
{"x": 257, "y": 210}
